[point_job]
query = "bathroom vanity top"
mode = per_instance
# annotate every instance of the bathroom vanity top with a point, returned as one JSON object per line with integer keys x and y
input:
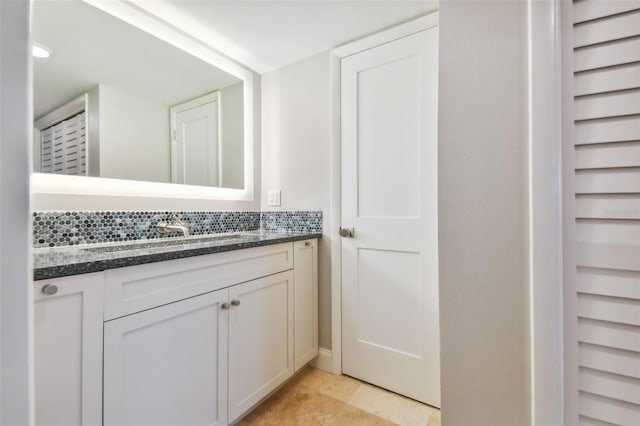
{"x": 82, "y": 259}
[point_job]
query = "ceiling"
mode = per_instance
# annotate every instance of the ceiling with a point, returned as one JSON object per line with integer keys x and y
{"x": 266, "y": 35}
{"x": 91, "y": 47}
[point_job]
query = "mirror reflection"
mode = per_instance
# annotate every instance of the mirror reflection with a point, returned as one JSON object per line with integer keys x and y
{"x": 113, "y": 101}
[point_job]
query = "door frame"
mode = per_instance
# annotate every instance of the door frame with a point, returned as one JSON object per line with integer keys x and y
{"x": 546, "y": 205}
{"x": 16, "y": 280}
{"x": 336, "y": 55}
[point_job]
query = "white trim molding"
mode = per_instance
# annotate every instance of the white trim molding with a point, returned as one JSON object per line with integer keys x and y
{"x": 337, "y": 54}
{"x": 545, "y": 212}
{"x": 324, "y": 360}
{"x": 16, "y": 285}
{"x": 569, "y": 284}
{"x": 63, "y": 112}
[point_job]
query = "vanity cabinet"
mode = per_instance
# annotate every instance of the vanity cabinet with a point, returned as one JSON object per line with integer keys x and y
{"x": 168, "y": 365}
{"x": 68, "y": 350}
{"x": 305, "y": 255}
{"x": 195, "y": 341}
{"x": 260, "y": 339}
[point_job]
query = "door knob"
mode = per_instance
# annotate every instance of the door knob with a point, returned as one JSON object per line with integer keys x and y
{"x": 347, "y": 232}
{"x": 225, "y": 306}
{"x": 235, "y": 302}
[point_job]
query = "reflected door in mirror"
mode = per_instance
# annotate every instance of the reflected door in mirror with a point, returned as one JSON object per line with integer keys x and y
{"x": 195, "y": 150}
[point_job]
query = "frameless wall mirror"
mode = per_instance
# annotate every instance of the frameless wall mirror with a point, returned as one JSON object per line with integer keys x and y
{"x": 113, "y": 101}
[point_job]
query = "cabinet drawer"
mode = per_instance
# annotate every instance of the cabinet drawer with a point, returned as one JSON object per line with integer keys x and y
{"x": 136, "y": 288}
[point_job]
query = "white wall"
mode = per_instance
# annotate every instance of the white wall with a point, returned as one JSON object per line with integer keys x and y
{"x": 16, "y": 124}
{"x": 483, "y": 200}
{"x": 295, "y": 154}
{"x": 483, "y": 213}
{"x": 232, "y": 144}
{"x": 134, "y": 137}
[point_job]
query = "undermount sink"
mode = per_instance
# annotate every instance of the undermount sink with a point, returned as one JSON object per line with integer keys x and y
{"x": 165, "y": 243}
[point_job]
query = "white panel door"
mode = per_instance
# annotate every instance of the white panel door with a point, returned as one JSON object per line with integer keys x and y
{"x": 168, "y": 365}
{"x": 260, "y": 339}
{"x": 390, "y": 326}
{"x": 195, "y": 149}
{"x": 68, "y": 351}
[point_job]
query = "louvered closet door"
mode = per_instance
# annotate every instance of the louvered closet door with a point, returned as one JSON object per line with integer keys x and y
{"x": 606, "y": 36}
{"x": 63, "y": 147}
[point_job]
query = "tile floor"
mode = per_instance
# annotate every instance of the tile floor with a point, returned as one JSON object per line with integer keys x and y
{"x": 317, "y": 398}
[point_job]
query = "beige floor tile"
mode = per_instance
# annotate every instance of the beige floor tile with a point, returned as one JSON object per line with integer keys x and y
{"x": 434, "y": 420}
{"x": 300, "y": 405}
{"x": 318, "y": 398}
{"x": 338, "y": 387}
{"x": 390, "y": 406}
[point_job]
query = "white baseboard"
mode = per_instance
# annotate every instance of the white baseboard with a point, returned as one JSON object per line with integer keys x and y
{"x": 323, "y": 361}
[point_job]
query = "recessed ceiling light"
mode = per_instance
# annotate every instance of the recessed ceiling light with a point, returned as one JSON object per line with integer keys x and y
{"x": 40, "y": 52}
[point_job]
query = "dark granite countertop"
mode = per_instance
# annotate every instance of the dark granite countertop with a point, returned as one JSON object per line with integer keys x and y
{"x": 82, "y": 259}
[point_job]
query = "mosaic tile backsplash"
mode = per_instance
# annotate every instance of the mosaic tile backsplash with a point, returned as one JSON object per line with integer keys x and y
{"x": 54, "y": 229}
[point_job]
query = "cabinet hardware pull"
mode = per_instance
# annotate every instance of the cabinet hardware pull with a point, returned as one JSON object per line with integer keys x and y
{"x": 307, "y": 244}
{"x": 235, "y": 302}
{"x": 50, "y": 289}
{"x": 225, "y": 306}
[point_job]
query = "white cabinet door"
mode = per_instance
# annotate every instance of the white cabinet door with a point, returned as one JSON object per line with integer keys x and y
{"x": 168, "y": 365}
{"x": 260, "y": 339}
{"x": 305, "y": 301}
{"x": 68, "y": 351}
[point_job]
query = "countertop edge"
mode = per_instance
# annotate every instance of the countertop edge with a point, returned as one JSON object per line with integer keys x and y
{"x": 67, "y": 270}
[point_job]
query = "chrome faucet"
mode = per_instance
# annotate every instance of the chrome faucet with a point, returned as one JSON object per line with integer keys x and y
{"x": 178, "y": 225}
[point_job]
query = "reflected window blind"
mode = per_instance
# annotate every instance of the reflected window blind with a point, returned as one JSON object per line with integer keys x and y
{"x": 63, "y": 147}
{"x": 606, "y": 56}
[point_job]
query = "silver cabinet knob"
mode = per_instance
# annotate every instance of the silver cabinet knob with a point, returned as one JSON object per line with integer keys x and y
{"x": 50, "y": 289}
{"x": 235, "y": 302}
{"x": 347, "y": 232}
{"x": 225, "y": 306}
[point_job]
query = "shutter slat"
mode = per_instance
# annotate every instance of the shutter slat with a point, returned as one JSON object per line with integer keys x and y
{"x": 607, "y": 29}
{"x": 604, "y": 308}
{"x": 608, "y": 256}
{"x": 624, "y": 180}
{"x": 608, "y": 282}
{"x": 610, "y": 385}
{"x": 608, "y": 206}
{"x": 607, "y": 105}
{"x": 609, "y": 334}
{"x": 609, "y": 359}
{"x": 587, "y": 10}
{"x": 608, "y": 231}
{"x": 588, "y": 421}
{"x": 608, "y": 410}
{"x": 607, "y": 80}
{"x": 607, "y": 55}
{"x": 608, "y": 130}
{"x": 626, "y": 154}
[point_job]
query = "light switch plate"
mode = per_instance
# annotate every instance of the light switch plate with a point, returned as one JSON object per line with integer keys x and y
{"x": 273, "y": 198}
